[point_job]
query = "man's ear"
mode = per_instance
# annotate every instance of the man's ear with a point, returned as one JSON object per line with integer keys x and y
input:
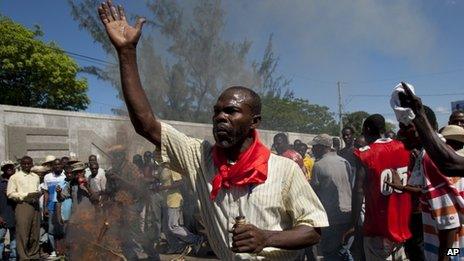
{"x": 256, "y": 121}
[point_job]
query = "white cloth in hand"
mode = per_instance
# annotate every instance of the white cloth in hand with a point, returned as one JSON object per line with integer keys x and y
{"x": 403, "y": 115}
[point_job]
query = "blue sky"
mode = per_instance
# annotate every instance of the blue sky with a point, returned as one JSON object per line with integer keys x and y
{"x": 367, "y": 45}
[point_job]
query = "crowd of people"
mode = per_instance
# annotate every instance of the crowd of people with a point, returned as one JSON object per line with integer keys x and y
{"x": 38, "y": 201}
{"x": 381, "y": 196}
{"x": 384, "y": 196}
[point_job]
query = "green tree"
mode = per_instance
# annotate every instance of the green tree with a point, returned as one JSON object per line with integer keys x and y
{"x": 37, "y": 74}
{"x": 297, "y": 115}
{"x": 355, "y": 120}
{"x": 183, "y": 81}
{"x": 390, "y": 126}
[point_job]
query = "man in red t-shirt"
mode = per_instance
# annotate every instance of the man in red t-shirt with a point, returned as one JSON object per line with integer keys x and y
{"x": 386, "y": 224}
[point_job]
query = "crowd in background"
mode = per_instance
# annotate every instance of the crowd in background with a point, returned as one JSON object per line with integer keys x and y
{"x": 419, "y": 220}
{"x": 37, "y": 202}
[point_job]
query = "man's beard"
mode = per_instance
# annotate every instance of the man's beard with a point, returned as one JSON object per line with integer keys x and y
{"x": 233, "y": 139}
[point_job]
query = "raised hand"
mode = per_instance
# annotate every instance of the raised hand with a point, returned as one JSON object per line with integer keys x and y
{"x": 409, "y": 100}
{"x": 121, "y": 34}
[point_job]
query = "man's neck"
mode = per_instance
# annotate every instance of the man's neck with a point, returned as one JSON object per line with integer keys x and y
{"x": 233, "y": 153}
{"x": 349, "y": 145}
{"x": 284, "y": 150}
{"x": 372, "y": 139}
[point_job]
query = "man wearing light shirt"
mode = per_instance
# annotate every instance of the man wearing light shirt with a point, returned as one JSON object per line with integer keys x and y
{"x": 23, "y": 188}
{"x": 88, "y": 172}
{"x": 52, "y": 181}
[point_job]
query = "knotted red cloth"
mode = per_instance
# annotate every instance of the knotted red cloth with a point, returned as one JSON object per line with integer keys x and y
{"x": 250, "y": 168}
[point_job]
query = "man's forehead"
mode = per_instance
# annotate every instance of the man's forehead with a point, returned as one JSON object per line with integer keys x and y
{"x": 234, "y": 98}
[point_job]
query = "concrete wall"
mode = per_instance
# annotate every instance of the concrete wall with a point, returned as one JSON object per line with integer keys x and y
{"x": 40, "y": 132}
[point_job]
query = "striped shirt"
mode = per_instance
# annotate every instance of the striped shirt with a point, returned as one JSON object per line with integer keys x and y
{"x": 442, "y": 203}
{"x": 284, "y": 201}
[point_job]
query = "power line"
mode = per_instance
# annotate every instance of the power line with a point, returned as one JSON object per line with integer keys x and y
{"x": 420, "y": 95}
{"x": 421, "y": 75}
{"x": 81, "y": 56}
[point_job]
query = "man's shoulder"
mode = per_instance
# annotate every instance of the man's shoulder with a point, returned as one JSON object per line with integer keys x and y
{"x": 15, "y": 175}
{"x": 281, "y": 166}
{"x": 347, "y": 150}
{"x": 168, "y": 129}
{"x": 333, "y": 157}
{"x": 279, "y": 159}
{"x": 101, "y": 173}
{"x": 329, "y": 160}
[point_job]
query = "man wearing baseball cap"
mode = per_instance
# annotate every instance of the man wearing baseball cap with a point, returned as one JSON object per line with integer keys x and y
{"x": 331, "y": 182}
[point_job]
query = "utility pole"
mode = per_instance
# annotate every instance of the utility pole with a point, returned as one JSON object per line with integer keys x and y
{"x": 340, "y": 108}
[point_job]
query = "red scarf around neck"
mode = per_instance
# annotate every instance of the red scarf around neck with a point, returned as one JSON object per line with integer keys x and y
{"x": 250, "y": 168}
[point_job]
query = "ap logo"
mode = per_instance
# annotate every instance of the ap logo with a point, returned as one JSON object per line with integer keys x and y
{"x": 452, "y": 252}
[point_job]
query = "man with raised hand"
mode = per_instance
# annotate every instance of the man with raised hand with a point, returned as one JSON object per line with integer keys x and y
{"x": 445, "y": 158}
{"x": 237, "y": 176}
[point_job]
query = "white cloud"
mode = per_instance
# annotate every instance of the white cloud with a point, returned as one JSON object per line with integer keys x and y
{"x": 442, "y": 110}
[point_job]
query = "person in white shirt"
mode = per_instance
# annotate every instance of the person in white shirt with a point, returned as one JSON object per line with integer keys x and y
{"x": 97, "y": 184}
{"x": 88, "y": 172}
{"x": 52, "y": 181}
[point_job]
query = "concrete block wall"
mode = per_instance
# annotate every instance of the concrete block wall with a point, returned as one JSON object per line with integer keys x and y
{"x": 40, "y": 132}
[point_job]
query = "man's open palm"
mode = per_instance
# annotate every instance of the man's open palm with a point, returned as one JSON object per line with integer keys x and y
{"x": 120, "y": 32}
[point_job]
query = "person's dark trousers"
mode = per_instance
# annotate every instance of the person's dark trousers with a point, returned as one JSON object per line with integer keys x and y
{"x": 27, "y": 231}
{"x": 414, "y": 246}
{"x": 357, "y": 249}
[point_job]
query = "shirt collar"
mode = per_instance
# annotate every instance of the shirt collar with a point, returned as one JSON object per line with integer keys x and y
{"x": 383, "y": 140}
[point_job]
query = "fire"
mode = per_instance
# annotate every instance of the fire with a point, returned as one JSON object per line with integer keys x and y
{"x": 97, "y": 234}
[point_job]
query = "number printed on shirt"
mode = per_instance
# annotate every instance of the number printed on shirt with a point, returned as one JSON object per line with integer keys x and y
{"x": 387, "y": 175}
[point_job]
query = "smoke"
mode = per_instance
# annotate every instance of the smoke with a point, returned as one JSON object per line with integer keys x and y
{"x": 126, "y": 223}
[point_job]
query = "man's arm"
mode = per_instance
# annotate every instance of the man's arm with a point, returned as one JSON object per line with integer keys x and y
{"x": 12, "y": 191}
{"x": 125, "y": 38}
{"x": 446, "y": 238}
{"x": 250, "y": 239}
{"x": 358, "y": 194}
{"x": 304, "y": 208}
{"x": 314, "y": 182}
{"x": 45, "y": 203}
{"x": 103, "y": 184}
{"x": 446, "y": 159}
{"x": 397, "y": 184}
